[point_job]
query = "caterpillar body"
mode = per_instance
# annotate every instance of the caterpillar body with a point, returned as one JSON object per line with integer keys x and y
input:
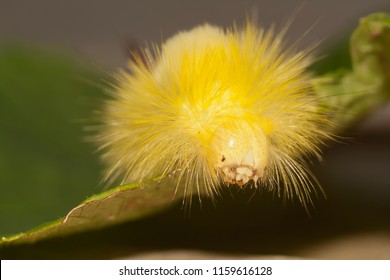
{"x": 214, "y": 106}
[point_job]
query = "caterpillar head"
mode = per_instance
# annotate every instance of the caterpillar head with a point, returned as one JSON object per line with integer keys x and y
{"x": 241, "y": 154}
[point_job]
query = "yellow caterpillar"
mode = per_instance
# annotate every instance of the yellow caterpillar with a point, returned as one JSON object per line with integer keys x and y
{"x": 214, "y": 106}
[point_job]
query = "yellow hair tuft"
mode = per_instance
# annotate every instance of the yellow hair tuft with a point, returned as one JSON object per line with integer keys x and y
{"x": 215, "y": 105}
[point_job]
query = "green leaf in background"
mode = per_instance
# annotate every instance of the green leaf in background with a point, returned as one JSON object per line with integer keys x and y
{"x": 354, "y": 93}
{"x": 370, "y": 55}
{"x": 46, "y": 166}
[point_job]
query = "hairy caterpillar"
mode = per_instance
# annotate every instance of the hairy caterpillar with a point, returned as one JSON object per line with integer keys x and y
{"x": 216, "y": 106}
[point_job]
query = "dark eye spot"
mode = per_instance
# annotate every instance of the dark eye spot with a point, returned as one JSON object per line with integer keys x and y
{"x": 223, "y": 158}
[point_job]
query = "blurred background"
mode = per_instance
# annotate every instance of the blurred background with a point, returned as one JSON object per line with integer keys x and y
{"x": 54, "y": 60}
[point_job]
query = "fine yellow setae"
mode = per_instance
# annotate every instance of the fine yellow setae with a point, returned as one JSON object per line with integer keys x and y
{"x": 213, "y": 106}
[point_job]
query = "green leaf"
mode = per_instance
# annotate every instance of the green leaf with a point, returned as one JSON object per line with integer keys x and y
{"x": 366, "y": 86}
{"x": 123, "y": 203}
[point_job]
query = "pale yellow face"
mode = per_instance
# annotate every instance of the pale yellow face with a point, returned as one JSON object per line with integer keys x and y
{"x": 241, "y": 154}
